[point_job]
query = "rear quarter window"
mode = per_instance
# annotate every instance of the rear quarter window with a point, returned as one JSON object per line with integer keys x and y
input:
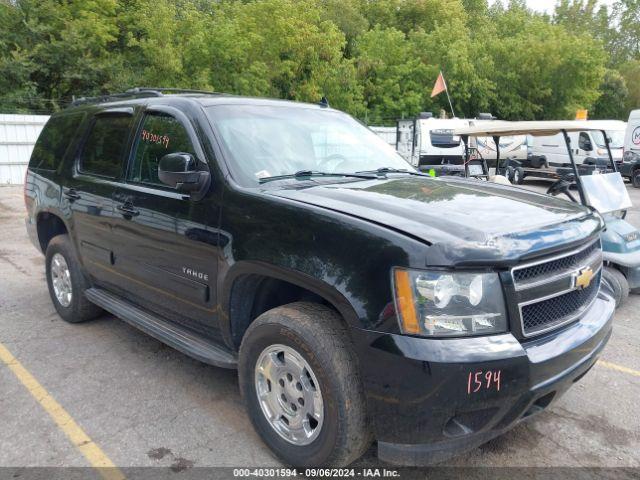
{"x": 54, "y": 140}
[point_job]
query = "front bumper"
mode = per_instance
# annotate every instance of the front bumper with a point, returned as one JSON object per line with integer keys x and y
{"x": 420, "y": 395}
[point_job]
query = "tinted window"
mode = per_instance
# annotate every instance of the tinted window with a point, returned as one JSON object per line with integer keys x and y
{"x": 160, "y": 135}
{"x": 105, "y": 146}
{"x": 54, "y": 140}
{"x": 444, "y": 139}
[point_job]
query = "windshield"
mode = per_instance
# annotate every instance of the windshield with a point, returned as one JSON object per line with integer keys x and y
{"x": 268, "y": 141}
{"x": 616, "y": 138}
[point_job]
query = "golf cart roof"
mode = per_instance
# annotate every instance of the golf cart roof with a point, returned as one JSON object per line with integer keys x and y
{"x": 535, "y": 128}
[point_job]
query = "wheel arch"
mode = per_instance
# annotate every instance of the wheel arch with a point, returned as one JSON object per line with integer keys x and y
{"x": 250, "y": 288}
{"x": 48, "y": 225}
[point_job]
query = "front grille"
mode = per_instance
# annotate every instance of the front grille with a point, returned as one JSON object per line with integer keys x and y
{"x": 556, "y": 311}
{"x": 552, "y": 267}
{"x": 548, "y": 293}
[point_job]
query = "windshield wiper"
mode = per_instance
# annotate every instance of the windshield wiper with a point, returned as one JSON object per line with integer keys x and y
{"x": 383, "y": 170}
{"x": 315, "y": 173}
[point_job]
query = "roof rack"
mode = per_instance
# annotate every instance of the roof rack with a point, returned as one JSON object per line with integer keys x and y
{"x": 137, "y": 92}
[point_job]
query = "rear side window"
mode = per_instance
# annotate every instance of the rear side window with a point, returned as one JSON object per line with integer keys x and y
{"x": 54, "y": 140}
{"x": 159, "y": 136}
{"x": 104, "y": 148}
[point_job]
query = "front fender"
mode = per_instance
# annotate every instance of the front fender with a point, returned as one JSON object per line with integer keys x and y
{"x": 324, "y": 290}
{"x": 345, "y": 260}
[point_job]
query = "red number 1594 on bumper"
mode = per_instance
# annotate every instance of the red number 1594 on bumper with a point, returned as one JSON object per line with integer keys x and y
{"x": 483, "y": 380}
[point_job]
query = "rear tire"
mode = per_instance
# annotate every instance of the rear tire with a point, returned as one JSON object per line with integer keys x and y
{"x": 313, "y": 336}
{"x": 617, "y": 284}
{"x": 635, "y": 178}
{"x": 67, "y": 283}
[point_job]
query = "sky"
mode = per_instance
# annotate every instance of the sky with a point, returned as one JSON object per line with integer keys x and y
{"x": 548, "y": 5}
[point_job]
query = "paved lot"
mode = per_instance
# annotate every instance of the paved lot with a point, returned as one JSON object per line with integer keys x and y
{"x": 145, "y": 404}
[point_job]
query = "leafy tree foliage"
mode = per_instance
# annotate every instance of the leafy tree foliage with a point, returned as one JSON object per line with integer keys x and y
{"x": 612, "y": 102}
{"x": 377, "y": 59}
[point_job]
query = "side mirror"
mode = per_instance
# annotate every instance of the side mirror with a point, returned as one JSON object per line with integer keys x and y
{"x": 178, "y": 170}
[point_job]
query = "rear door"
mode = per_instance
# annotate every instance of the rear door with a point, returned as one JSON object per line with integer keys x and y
{"x": 87, "y": 193}
{"x": 166, "y": 245}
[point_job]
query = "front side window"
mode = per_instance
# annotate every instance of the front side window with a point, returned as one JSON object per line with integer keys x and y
{"x": 265, "y": 141}
{"x": 104, "y": 149}
{"x": 160, "y": 135}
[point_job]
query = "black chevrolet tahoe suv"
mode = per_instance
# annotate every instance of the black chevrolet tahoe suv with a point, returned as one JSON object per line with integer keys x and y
{"x": 359, "y": 299}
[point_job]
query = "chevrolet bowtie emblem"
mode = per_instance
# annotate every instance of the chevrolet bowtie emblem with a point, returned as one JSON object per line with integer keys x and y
{"x": 583, "y": 278}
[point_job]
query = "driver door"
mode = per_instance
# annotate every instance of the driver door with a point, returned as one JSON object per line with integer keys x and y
{"x": 165, "y": 244}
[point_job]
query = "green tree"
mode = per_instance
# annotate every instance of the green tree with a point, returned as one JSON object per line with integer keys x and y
{"x": 631, "y": 73}
{"x": 627, "y": 42}
{"x": 542, "y": 70}
{"x": 64, "y": 46}
{"x": 295, "y": 54}
{"x": 161, "y": 44}
{"x": 392, "y": 75}
{"x": 612, "y": 102}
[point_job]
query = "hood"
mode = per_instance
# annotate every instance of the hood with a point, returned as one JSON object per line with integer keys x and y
{"x": 478, "y": 220}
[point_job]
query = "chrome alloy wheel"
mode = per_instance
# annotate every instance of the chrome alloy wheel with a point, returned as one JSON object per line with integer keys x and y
{"x": 61, "y": 280}
{"x": 289, "y": 394}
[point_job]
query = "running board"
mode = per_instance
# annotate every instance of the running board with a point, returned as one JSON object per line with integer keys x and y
{"x": 176, "y": 336}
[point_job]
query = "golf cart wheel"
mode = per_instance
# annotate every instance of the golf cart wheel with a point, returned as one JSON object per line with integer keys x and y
{"x": 518, "y": 175}
{"x": 616, "y": 284}
{"x": 635, "y": 179}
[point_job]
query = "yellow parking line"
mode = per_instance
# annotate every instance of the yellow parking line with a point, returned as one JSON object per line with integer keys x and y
{"x": 619, "y": 368}
{"x": 94, "y": 455}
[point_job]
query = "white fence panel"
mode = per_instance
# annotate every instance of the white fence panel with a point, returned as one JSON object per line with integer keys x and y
{"x": 18, "y": 135}
{"x": 388, "y": 134}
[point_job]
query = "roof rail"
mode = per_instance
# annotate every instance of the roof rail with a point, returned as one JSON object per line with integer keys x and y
{"x": 172, "y": 90}
{"x": 137, "y": 92}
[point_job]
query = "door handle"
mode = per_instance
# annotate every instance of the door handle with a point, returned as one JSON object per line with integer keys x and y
{"x": 127, "y": 210}
{"x": 71, "y": 194}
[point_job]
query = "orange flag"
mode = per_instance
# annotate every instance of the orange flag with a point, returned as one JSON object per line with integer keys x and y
{"x": 439, "y": 87}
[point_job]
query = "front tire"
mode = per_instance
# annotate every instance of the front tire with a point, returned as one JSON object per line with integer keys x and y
{"x": 635, "y": 178}
{"x": 67, "y": 283}
{"x": 301, "y": 386}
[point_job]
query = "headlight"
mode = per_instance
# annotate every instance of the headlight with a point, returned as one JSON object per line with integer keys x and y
{"x": 448, "y": 304}
{"x": 631, "y": 237}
